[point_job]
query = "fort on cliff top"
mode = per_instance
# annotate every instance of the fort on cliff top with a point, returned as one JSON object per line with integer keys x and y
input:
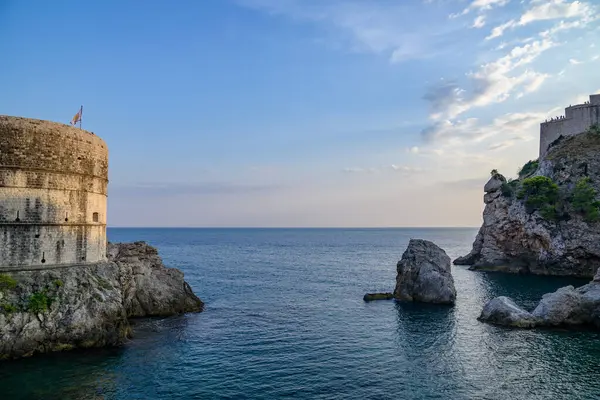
{"x": 53, "y": 194}
{"x": 577, "y": 119}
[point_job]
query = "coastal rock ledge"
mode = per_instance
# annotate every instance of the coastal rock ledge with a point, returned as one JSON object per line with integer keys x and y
{"x": 567, "y": 307}
{"x": 88, "y": 306}
{"x": 424, "y": 274}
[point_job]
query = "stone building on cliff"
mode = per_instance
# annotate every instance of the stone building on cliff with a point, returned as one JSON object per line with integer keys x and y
{"x": 577, "y": 119}
{"x": 53, "y": 195}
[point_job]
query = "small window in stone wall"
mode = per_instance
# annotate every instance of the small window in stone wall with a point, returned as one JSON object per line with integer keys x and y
{"x": 95, "y": 217}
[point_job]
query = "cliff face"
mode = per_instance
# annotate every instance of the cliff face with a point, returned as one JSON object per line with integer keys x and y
{"x": 88, "y": 306}
{"x": 515, "y": 238}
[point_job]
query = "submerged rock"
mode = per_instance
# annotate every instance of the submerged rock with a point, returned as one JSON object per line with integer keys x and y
{"x": 87, "y": 306}
{"x": 503, "y": 311}
{"x": 424, "y": 274}
{"x": 378, "y": 296}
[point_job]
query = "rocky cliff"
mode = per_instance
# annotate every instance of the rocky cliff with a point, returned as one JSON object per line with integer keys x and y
{"x": 88, "y": 306}
{"x": 546, "y": 222}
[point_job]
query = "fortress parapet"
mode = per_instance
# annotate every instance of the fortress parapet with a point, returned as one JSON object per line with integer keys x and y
{"x": 577, "y": 119}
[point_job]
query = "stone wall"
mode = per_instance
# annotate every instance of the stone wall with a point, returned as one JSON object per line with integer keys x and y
{"x": 577, "y": 119}
{"x": 53, "y": 194}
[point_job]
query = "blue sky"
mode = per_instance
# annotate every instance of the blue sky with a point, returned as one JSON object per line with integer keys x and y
{"x": 301, "y": 112}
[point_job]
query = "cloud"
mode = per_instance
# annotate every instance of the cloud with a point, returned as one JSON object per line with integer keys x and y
{"x": 550, "y": 10}
{"x": 493, "y": 82}
{"x": 479, "y": 22}
{"x": 481, "y": 5}
{"x": 406, "y": 169}
{"x": 573, "y": 61}
{"x": 154, "y": 189}
{"x": 377, "y": 27}
{"x": 466, "y": 184}
{"x": 358, "y": 170}
{"x": 394, "y": 167}
{"x": 514, "y": 124}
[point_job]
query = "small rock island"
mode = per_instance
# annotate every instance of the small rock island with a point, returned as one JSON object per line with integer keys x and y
{"x": 62, "y": 286}
{"x": 423, "y": 275}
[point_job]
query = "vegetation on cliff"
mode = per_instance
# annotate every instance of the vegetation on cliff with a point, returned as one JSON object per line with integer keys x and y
{"x": 540, "y": 194}
{"x": 584, "y": 200}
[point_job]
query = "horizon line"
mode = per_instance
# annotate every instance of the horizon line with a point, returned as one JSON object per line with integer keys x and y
{"x": 293, "y": 227}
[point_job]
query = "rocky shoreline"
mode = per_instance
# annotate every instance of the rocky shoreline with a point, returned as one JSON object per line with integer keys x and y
{"x": 88, "y": 306}
{"x": 545, "y": 222}
{"x": 567, "y": 307}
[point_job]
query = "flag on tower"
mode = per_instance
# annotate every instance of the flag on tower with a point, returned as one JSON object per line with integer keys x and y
{"x": 77, "y": 117}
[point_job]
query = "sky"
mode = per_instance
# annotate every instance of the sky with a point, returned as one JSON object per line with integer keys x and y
{"x": 301, "y": 113}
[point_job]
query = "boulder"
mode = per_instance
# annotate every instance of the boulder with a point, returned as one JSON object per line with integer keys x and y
{"x": 562, "y": 307}
{"x": 503, "y": 311}
{"x": 424, "y": 274}
{"x": 494, "y": 184}
{"x": 378, "y": 296}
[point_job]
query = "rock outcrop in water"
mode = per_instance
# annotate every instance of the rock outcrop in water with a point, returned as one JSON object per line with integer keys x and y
{"x": 378, "y": 296}
{"x": 88, "y": 306}
{"x": 544, "y": 233}
{"x": 566, "y": 307}
{"x": 503, "y": 311}
{"x": 424, "y": 274}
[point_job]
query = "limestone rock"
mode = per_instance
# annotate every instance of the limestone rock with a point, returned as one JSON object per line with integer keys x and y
{"x": 87, "y": 306}
{"x": 563, "y": 307}
{"x": 378, "y": 296}
{"x": 424, "y": 274}
{"x": 494, "y": 184}
{"x": 149, "y": 288}
{"x": 515, "y": 239}
{"x": 503, "y": 311}
{"x": 566, "y": 308}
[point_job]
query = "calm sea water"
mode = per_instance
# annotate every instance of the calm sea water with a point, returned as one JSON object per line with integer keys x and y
{"x": 285, "y": 319}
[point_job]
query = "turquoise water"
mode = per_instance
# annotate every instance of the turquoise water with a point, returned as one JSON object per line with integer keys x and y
{"x": 285, "y": 319}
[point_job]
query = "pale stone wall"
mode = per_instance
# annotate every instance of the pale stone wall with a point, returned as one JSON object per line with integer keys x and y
{"x": 53, "y": 194}
{"x": 577, "y": 119}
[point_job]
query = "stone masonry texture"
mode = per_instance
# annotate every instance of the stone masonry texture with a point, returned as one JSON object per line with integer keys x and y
{"x": 53, "y": 194}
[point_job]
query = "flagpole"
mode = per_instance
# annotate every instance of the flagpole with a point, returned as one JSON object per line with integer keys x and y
{"x": 80, "y": 116}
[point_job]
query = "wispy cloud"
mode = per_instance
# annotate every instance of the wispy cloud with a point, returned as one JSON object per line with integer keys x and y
{"x": 153, "y": 189}
{"x": 377, "y": 27}
{"x": 550, "y": 10}
{"x": 481, "y": 5}
{"x": 472, "y": 130}
{"x": 479, "y": 22}
{"x": 494, "y": 82}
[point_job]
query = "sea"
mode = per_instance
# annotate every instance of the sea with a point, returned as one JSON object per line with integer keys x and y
{"x": 285, "y": 319}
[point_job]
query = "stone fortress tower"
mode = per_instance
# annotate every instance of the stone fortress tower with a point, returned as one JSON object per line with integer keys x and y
{"x": 53, "y": 194}
{"x": 577, "y": 119}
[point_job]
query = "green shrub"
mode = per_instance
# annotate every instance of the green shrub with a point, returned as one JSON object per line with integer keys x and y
{"x": 494, "y": 172}
{"x": 7, "y": 282}
{"x": 530, "y": 167}
{"x": 8, "y": 308}
{"x": 584, "y": 200}
{"x": 509, "y": 188}
{"x": 540, "y": 193}
{"x": 58, "y": 283}
{"x": 39, "y": 302}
